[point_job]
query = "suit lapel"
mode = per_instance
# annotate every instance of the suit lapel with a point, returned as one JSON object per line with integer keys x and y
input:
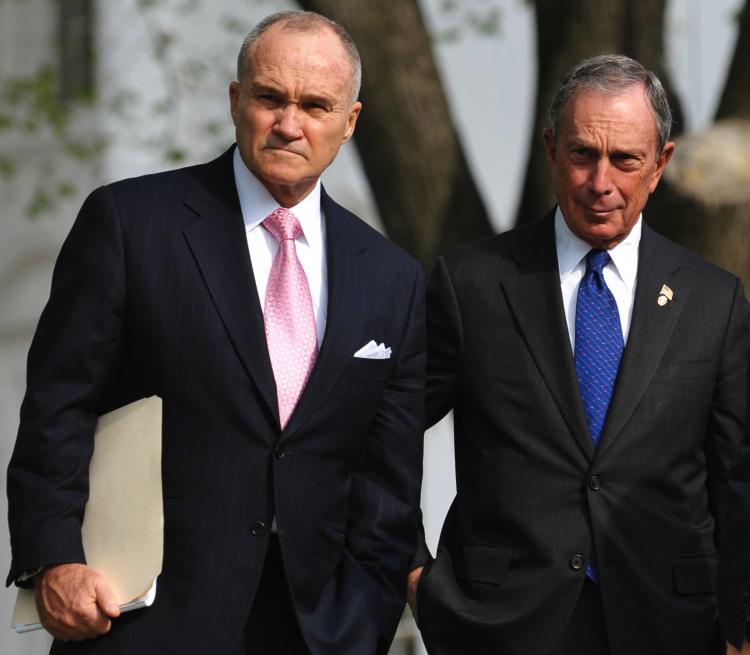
{"x": 346, "y": 308}
{"x": 535, "y": 298}
{"x": 650, "y": 330}
{"x": 219, "y": 245}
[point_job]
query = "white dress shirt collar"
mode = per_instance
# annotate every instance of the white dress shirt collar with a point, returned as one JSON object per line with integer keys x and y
{"x": 571, "y": 250}
{"x": 257, "y": 203}
{"x": 620, "y": 274}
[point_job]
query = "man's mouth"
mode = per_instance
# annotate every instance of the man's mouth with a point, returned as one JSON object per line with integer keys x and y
{"x": 601, "y": 212}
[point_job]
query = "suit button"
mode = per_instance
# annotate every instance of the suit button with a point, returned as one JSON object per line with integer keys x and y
{"x": 258, "y": 528}
{"x": 576, "y": 562}
{"x": 279, "y": 453}
{"x": 595, "y": 483}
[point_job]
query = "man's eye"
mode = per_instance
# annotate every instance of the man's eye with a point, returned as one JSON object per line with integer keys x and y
{"x": 314, "y": 107}
{"x": 267, "y": 99}
{"x": 625, "y": 159}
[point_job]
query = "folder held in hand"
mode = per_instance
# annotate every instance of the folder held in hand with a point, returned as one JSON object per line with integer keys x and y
{"x": 123, "y": 523}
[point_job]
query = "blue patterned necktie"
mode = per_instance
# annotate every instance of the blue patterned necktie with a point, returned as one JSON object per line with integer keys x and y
{"x": 598, "y": 350}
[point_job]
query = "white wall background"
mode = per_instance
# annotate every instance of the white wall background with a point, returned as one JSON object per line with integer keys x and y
{"x": 490, "y": 83}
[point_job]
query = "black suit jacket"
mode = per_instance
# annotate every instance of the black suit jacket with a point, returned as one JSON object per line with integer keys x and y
{"x": 153, "y": 293}
{"x": 534, "y": 496}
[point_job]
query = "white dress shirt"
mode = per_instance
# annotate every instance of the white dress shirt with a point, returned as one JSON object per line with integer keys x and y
{"x": 619, "y": 274}
{"x": 257, "y": 203}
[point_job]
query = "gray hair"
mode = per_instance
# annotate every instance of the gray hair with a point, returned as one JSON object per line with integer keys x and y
{"x": 303, "y": 21}
{"x": 614, "y": 74}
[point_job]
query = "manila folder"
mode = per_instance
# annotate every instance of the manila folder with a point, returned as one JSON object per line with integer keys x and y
{"x": 123, "y": 523}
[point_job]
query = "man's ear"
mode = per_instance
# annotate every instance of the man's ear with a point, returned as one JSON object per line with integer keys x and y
{"x": 661, "y": 163}
{"x": 351, "y": 120}
{"x": 550, "y": 146}
{"x": 234, "y": 100}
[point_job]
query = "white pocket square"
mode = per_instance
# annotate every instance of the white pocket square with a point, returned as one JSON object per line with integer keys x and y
{"x": 373, "y": 350}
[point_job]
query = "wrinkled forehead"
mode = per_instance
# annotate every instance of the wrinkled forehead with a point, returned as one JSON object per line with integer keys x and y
{"x": 317, "y": 47}
{"x": 313, "y": 54}
{"x": 627, "y": 110}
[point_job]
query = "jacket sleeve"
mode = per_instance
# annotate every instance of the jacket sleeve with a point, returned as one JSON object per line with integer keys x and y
{"x": 74, "y": 356}
{"x": 385, "y": 490}
{"x": 734, "y": 557}
{"x": 727, "y": 420}
{"x": 444, "y": 342}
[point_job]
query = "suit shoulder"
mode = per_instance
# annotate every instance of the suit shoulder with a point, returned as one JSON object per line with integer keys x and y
{"x": 701, "y": 270}
{"x": 159, "y": 196}
{"x": 365, "y": 233}
{"x": 498, "y": 249}
{"x": 168, "y": 184}
{"x": 174, "y": 181}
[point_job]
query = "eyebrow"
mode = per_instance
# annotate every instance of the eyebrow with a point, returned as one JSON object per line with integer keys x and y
{"x": 633, "y": 149}
{"x": 260, "y": 87}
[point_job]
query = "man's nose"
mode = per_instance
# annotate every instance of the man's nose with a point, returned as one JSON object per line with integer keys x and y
{"x": 600, "y": 179}
{"x": 288, "y": 122}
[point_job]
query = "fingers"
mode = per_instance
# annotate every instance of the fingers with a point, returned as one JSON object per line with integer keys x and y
{"x": 106, "y": 600}
{"x": 731, "y": 650}
{"x": 412, "y": 583}
{"x": 74, "y": 602}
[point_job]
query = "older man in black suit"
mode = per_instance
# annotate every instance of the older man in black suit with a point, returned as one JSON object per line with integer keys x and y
{"x": 598, "y": 377}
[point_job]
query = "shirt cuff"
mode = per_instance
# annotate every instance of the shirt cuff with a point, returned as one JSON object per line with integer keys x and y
{"x": 25, "y": 579}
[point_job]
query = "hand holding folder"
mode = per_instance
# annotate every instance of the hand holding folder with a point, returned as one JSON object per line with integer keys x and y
{"x": 123, "y": 525}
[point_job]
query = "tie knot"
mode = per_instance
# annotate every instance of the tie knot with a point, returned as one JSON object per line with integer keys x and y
{"x": 282, "y": 224}
{"x": 596, "y": 260}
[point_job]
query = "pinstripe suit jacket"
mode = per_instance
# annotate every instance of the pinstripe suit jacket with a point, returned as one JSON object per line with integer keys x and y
{"x": 153, "y": 293}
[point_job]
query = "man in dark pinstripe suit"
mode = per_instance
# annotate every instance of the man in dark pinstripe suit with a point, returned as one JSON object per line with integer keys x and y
{"x": 282, "y": 534}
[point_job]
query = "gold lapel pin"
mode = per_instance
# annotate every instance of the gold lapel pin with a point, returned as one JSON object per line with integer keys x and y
{"x": 665, "y": 295}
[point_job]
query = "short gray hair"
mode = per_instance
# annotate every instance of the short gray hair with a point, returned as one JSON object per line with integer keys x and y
{"x": 614, "y": 74}
{"x": 303, "y": 21}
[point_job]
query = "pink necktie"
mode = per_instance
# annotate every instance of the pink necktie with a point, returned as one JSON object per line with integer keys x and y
{"x": 288, "y": 315}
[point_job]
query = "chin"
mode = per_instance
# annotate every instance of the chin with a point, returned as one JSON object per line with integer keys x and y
{"x": 595, "y": 232}
{"x": 278, "y": 175}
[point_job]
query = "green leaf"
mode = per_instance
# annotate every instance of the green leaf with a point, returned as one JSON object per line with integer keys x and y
{"x": 450, "y": 35}
{"x": 175, "y": 155}
{"x": 487, "y": 24}
{"x": 65, "y": 189}
{"x": 8, "y": 167}
{"x": 162, "y": 42}
{"x": 214, "y": 128}
{"x": 84, "y": 151}
{"x": 189, "y": 6}
{"x": 235, "y": 25}
{"x": 193, "y": 71}
{"x": 123, "y": 100}
{"x": 39, "y": 204}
